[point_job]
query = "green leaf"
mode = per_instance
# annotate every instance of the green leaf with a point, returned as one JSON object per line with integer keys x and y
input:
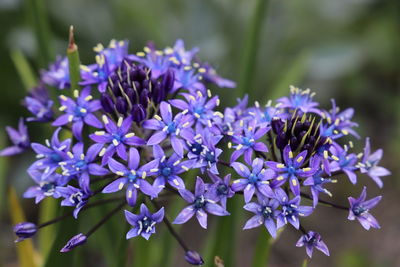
{"x": 263, "y": 246}
{"x": 24, "y": 70}
{"x": 250, "y": 49}
{"x": 27, "y": 256}
{"x": 74, "y": 62}
{"x": 48, "y": 211}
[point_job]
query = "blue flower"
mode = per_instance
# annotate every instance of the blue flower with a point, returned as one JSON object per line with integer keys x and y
{"x": 291, "y": 209}
{"x": 343, "y": 161}
{"x": 25, "y": 230}
{"x": 143, "y": 223}
{"x": 74, "y": 197}
{"x": 254, "y": 181}
{"x": 359, "y": 209}
{"x": 312, "y": 240}
{"x": 220, "y": 190}
{"x": 39, "y": 104}
{"x": 265, "y": 213}
{"x": 132, "y": 176}
{"x": 301, "y": 100}
{"x": 79, "y": 112}
{"x": 19, "y": 137}
{"x": 200, "y": 205}
{"x": 58, "y": 74}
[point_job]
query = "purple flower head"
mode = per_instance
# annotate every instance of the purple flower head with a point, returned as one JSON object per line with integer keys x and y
{"x": 359, "y": 209}
{"x": 198, "y": 106}
{"x": 291, "y": 209}
{"x": 369, "y": 164}
{"x": 50, "y": 155}
{"x": 115, "y": 53}
{"x": 266, "y": 114}
{"x": 83, "y": 165}
{"x": 132, "y": 176}
{"x": 45, "y": 186}
{"x": 79, "y": 111}
{"x": 168, "y": 126}
{"x": 189, "y": 78}
{"x": 311, "y": 240}
{"x": 58, "y": 74}
{"x": 292, "y": 169}
{"x": 316, "y": 183}
{"x": 116, "y": 137}
{"x": 193, "y": 258}
{"x": 246, "y": 143}
{"x": 200, "y": 205}
{"x": 203, "y": 150}
{"x": 265, "y": 213}
{"x": 74, "y": 242}
{"x": 338, "y": 123}
{"x": 20, "y": 139}
{"x": 143, "y": 223}
{"x": 39, "y": 104}
{"x": 343, "y": 161}
{"x": 299, "y": 100}
{"x": 220, "y": 190}
{"x": 74, "y": 197}
{"x": 97, "y": 73}
{"x": 25, "y": 230}
{"x": 254, "y": 181}
{"x": 169, "y": 169}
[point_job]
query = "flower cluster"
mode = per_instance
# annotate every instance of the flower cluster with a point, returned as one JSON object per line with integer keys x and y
{"x": 139, "y": 122}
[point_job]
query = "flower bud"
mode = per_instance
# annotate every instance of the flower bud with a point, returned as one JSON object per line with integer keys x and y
{"x": 25, "y": 230}
{"x": 107, "y": 103}
{"x": 75, "y": 241}
{"x": 193, "y": 258}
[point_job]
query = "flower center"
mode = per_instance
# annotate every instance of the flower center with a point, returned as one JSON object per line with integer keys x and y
{"x": 132, "y": 177}
{"x": 246, "y": 141}
{"x": 145, "y": 225}
{"x": 196, "y": 148}
{"x": 48, "y": 188}
{"x": 76, "y": 198}
{"x": 166, "y": 171}
{"x": 253, "y": 178}
{"x": 80, "y": 165}
{"x": 267, "y": 212}
{"x": 222, "y": 189}
{"x": 55, "y": 157}
{"x": 199, "y": 202}
{"x": 171, "y": 127}
{"x": 359, "y": 210}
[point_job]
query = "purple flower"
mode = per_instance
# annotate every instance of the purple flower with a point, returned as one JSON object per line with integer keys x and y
{"x": 299, "y": 99}
{"x": 132, "y": 176}
{"x": 167, "y": 126}
{"x": 82, "y": 166}
{"x": 200, "y": 204}
{"x": 311, "y": 240}
{"x": 39, "y": 104}
{"x": 359, "y": 209}
{"x": 291, "y": 169}
{"x": 168, "y": 170}
{"x": 291, "y": 209}
{"x": 58, "y": 74}
{"x": 193, "y": 258}
{"x": 143, "y": 223}
{"x": 316, "y": 183}
{"x": 343, "y": 161}
{"x": 74, "y": 242}
{"x": 221, "y": 189}
{"x": 203, "y": 150}
{"x": 79, "y": 112}
{"x": 369, "y": 164}
{"x": 117, "y": 137}
{"x": 50, "y": 155}
{"x": 247, "y": 142}
{"x": 198, "y": 106}
{"x": 25, "y": 230}
{"x": 266, "y": 213}
{"x": 74, "y": 197}
{"x": 19, "y": 138}
{"x": 338, "y": 123}
{"x": 46, "y": 186}
{"x": 253, "y": 181}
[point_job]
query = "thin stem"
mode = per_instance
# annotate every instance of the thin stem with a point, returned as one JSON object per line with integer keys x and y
{"x": 106, "y": 218}
{"x": 325, "y": 202}
{"x": 66, "y": 215}
{"x": 302, "y": 229}
{"x": 172, "y": 230}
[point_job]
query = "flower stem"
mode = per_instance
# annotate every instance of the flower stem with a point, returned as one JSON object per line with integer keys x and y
{"x": 326, "y": 202}
{"x": 106, "y": 218}
{"x": 73, "y": 61}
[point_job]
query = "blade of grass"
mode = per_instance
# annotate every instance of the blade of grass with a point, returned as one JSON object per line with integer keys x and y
{"x": 48, "y": 211}
{"x": 24, "y": 69}
{"x": 261, "y": 253}
{"x": 73, "y": 61}
{"x": 26, "y": 253}
{"x": 37, "y": 16}
{"x": 250, "y": 48}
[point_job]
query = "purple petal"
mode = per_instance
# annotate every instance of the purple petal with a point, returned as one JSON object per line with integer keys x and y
{"x": 96, "y": 169}
{"x": 184, "y": 215}
{"x": 114, "y": 186}
{"x": 253, "y": 222}
{"x": 202, "y": 218}
{"x": 134, "y": 158}
{"x": 157, "y": 138}
{"x": 241, "y": 169}
{"x": 216, "y": 209}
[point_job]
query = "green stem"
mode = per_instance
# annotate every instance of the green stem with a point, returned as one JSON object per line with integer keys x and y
{"x": 261, "y": 252}
{"x": 73, "y": 61}
{"x": 24, "y": 70}
{"x": 250, "y": 50}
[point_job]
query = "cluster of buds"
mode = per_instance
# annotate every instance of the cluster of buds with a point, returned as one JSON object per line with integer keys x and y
{"x": 138, "y": 122}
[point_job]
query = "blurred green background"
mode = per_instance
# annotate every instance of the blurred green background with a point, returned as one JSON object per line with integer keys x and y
{"x": 343, "y": 49}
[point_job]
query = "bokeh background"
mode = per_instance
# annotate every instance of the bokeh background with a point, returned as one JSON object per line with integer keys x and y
{"x": 343, "y": 49}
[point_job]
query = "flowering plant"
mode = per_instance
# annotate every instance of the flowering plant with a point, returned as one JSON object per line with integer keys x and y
{"x": 136, "y": 123}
